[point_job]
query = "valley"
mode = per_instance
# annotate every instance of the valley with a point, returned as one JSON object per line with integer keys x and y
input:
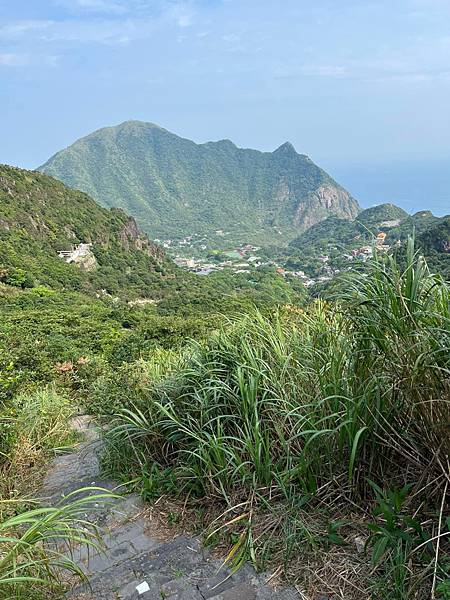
{"x": 224, "y": 300}
{"x": 254, "y": 386}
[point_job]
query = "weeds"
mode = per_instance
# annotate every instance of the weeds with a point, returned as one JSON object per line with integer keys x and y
{"x": 36, "y": 545}
{"x": 34, "y": 425}
{"x": 331, "y": 409}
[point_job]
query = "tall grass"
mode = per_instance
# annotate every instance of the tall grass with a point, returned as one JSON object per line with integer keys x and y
{"x": 36, "y": 545}
{"x": 313, "y": 408}
{"x": 36, "y": 541}
{"x": 33, "y": 426}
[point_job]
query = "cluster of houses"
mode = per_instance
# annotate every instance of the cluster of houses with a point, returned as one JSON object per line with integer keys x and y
{"x": 239, "y": 260}
{"x": 244, "y": 259}
{"x": 366, "y": 252}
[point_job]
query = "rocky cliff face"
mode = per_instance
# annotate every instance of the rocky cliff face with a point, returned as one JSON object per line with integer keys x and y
{"x": 43, "y": 225}
{"x": 326, "y": 200}
{"x": 132, "y": 237}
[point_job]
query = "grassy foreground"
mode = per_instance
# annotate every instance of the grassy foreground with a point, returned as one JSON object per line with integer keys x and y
{"x": 315, "y": 440}
{"x": 35, "y": 539}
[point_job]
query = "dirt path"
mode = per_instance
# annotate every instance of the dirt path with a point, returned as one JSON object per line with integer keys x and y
{"x": 134, "y": 564}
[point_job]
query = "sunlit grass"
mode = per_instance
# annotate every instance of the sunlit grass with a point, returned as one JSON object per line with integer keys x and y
{"x": 312, "y": 408}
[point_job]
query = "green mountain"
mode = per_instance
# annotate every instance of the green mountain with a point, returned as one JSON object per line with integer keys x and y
{"x": 40, "y": 217}
{"x": 369, "y": 222}
{"x": 336, "y": 236}
{"x": 44, "y": 224}
{"x": 175, "y": 187}
{"x": 434, "y": 242}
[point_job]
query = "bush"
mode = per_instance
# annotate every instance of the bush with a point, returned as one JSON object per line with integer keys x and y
{"x": 42, "y": 418}
{"x": 32, "y": 425}
{"x": 128, "y": 385}
{"x": 305, "y": 408}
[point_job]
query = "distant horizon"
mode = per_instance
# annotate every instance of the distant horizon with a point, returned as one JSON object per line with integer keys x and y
{"x": 414, "y": 186}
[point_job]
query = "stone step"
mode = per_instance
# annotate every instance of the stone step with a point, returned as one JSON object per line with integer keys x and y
{"x": 177, "y": 569}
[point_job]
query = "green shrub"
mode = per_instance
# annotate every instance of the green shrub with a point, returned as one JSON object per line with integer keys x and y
{"x": 128, "y": 385}
{"x": 32, "y": 426}
{"x": 42, "y": 418}
{"x": 288, "y": 406}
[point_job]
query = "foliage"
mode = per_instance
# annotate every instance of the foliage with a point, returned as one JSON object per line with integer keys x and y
{"x": 337, "y": 238}
{"x": 39, "y": 217}
{"x": 36, "y": 544}
{"x": 304, "y": 407}
{"x": 32, "y": 426}
{"x": 175, "y": 187}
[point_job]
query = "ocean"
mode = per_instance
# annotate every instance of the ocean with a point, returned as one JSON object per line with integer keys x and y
{"x": 413, "y": 186}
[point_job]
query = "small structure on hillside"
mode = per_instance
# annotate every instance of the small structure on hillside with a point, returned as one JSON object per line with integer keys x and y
{"x": 379, "y": 241}
{"x": 81, "y": 255}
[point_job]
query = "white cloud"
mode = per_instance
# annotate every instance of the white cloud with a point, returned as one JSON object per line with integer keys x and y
{"x": 231, "y": 37}
{"x": 13, "y": 60}
{"x": 10, "y": 59}
{"x": 296, "y": 71}
{"x": 182, "y": 13}
{"x": 112, "y": 28}
{"x": 431, "y": 4}
{"x": 20, "y": 29}
{"x": 325, "y": 70}
{"x": 99, "y": 6}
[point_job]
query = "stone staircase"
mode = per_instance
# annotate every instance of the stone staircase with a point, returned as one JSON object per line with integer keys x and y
{"x": 133, "y": 563}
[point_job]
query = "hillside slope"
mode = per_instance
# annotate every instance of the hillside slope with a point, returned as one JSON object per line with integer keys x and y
{"x": 384, "y": 217}
{"x": 39, "y": 217}
{"x": 338, "y": 236}
{"x": 176, "y": 187}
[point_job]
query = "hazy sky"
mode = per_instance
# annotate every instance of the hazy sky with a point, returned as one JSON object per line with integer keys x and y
{"x": 347, "y": 82}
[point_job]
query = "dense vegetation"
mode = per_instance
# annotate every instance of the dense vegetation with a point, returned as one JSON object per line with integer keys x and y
{"x": 299, "y": 434}
{"x": 310, "y": 432}
{"x": 175, "y": 187}
{"x": 39, "y": 216}
{"x": 337, "y": 237}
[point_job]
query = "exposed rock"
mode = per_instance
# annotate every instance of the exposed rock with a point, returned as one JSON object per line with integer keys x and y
{"x": 132, "y": 237}
{"x": 393, "y": 223}
{"x": 142, "y": 301}
{"x": 360, "y": 544}
{"x": 325, "y": 200}
{"x": 68, "y": 231}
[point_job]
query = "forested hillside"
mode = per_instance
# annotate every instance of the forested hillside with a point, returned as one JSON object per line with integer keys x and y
{"x": 175, "y": 187}
{"x": 338, "y": 238}
{"x": 40, "y": 217}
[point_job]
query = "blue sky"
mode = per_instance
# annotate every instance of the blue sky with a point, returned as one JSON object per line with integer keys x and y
{"x": 350, "y": 83}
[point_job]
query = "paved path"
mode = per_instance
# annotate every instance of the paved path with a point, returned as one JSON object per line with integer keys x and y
{"x": 178, "y": 569}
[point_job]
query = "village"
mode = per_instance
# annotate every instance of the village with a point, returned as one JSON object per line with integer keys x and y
{"x": 194, "y": 254}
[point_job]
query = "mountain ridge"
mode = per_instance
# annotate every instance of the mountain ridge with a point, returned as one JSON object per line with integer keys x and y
{"x": 174, "y": 186}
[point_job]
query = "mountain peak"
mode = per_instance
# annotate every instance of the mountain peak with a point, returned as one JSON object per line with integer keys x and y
{"x": 175, "y": 187}
{"x": 135, "y": 124}
{"x": 286, "y": 148}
